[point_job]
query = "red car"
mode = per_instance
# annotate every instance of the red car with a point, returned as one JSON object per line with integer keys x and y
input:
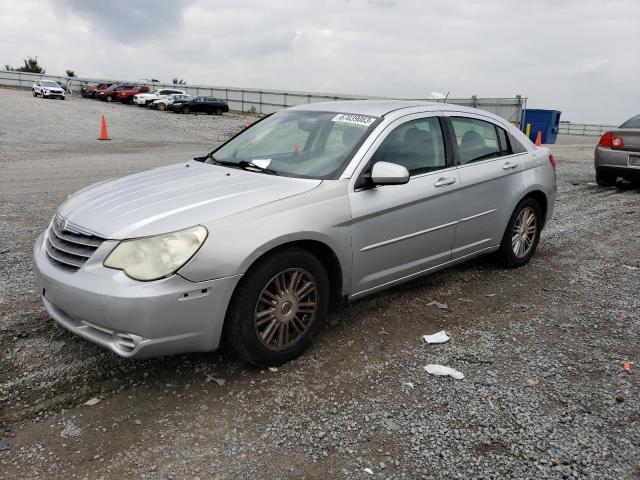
{"x": 125, "y": 95}
{"x": 89, "y": 90}
{"x": 121, "y": 93}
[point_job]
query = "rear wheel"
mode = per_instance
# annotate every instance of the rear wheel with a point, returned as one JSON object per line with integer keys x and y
{"x": 278, "y": 308}
{"x": 186, "y": 110}
{"x": 162, "y": 106}
{"x": 521, "y": 237}
{"x": 604, "y": 178}
{"x": 34, "y": 93}
{"x": 109, "y": 98}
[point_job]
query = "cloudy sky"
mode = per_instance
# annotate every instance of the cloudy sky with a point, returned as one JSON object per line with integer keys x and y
{"x": 578, "y": 56}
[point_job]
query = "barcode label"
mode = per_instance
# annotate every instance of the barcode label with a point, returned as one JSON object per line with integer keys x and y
{"x": 355, "y": 119}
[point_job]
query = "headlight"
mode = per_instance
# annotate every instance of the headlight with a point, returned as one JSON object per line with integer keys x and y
{"x": 151, "y": 258}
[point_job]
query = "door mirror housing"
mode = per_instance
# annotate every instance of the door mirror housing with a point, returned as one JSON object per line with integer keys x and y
{"x": 386, "y": 173}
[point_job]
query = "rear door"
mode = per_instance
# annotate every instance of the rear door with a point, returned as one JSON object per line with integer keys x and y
{"x": 491, "y": 178}
{"x": 401, "y": 231}
{"x": 198, "y": 104}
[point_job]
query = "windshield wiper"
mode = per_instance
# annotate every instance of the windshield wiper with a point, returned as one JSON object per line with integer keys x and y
{"x": 245, "y": 165}
{"x": 250, "y": 165}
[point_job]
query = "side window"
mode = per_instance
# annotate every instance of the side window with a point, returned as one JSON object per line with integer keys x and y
{"x": 516, "y": 146}
{"x": 477, "y": 140}
{"x": 418, "y": 145}
{"x": 505, "y": 147}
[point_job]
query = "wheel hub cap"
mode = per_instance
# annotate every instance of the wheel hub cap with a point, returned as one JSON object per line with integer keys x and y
{"x": 525, "y": 230}
{"x": 286, "y": 309}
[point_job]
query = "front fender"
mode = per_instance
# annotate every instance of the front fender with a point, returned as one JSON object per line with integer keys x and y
{"x": 237, "y": 241}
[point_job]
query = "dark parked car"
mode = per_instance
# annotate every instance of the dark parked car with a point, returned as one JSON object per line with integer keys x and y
{"x": 618, "y": 154}
{"x": 208, "y": 105}
{"x": 90, "y": 90}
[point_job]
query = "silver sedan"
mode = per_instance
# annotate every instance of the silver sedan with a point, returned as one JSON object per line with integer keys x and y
{"x": 304, "y": 211}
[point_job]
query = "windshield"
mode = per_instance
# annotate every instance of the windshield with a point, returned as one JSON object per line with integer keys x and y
{"x": 632, "y": 122}
{"x": 47, "y": 83}
{"x": 298, "y": 143}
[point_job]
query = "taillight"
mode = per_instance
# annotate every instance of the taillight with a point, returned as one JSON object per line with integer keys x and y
{"x": 609, "y": 140}
{"x": 553, "y": 162}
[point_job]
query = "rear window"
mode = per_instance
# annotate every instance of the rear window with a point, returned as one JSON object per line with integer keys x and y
{"x": 632, "y": 122}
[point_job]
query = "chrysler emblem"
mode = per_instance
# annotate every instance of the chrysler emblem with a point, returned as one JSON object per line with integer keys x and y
{"x": 62, "y": 224}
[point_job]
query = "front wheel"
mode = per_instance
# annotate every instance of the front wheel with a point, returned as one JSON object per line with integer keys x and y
{"x": 109, "y": 98}
{"x": 34, "y": 93}
{"x": 278, "y": 308}
{"x": 522, "y": 235}
{"x": 162, "y": 107}
{"x": 186, "y": 110}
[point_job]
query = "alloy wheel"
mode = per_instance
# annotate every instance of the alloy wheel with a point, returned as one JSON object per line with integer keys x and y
{"x": 286, "y": 309}
{"x": 524, "y": 232}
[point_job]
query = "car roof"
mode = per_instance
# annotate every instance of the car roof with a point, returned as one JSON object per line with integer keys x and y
{"x": 379, "y": 108}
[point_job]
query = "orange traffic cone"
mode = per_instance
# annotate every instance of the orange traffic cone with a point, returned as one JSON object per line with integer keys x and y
{"x": 103, "y": 130}
{"x": 539, "y": 139}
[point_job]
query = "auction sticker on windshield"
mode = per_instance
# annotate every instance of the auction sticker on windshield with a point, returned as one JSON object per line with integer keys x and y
{"x": 355, "y": 119}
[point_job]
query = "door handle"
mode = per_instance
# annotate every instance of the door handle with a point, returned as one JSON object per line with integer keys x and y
{"x": 509, "y": 165}
{"x": 441, "y": 182}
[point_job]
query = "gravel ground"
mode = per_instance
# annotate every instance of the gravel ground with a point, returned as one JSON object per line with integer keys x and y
{"x": 542, "y": 348}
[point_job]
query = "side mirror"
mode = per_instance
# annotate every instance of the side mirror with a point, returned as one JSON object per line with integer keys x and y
{"x": 385, "y": 173}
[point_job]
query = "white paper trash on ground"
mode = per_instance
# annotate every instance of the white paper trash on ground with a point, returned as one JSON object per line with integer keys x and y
{"x": 434, "y": 369}
{"x": 440, "y": 337}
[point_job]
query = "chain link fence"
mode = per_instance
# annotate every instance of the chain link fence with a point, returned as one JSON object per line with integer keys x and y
{"x": 569, "y": 128}
{"x": 268, "y": 101}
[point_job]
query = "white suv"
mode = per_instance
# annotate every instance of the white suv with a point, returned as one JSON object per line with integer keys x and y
{"x": 47, "y": 88}
{"x": 144, "y": 99}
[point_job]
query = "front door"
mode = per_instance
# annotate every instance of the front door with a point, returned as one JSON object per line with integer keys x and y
{"x": 401, "y": 231}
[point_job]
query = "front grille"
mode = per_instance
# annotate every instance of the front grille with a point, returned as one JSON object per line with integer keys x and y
{"x": 68, "y": 247}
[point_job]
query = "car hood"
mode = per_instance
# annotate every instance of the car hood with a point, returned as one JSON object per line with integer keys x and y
{"x": 171, "y": 198}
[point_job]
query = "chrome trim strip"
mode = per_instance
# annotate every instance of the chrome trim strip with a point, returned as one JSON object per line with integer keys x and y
{"x": 478, "y": 215}
{"x": 405, "y": 237}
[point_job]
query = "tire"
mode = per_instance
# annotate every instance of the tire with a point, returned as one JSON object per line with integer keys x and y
{"x": 162, "y": 107}
{"x": 218, "y": 111}
{"x": 290, "y": 334}
{"x": 604, "y": 178}
{"x": 528, "y": 241}
{"x": 185, "y": 110}
{"x": 108, "y": 98}
{"x": 34, "y": 93}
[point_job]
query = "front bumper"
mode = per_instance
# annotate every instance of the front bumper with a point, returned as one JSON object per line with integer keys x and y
{"x": 140, "y": 101}
{"x": 131, "y": 318}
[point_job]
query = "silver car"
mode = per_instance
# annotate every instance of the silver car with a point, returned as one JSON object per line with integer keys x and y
{"x": 306, "y": 210}
{"x": 618, "y": 154}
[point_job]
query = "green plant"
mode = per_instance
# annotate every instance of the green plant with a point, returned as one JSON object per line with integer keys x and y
{"x": 177, "y": 81}
{"x": 30, "y": 66}
{"x": 70, "y": 73}
{"x": 252, "y": 110}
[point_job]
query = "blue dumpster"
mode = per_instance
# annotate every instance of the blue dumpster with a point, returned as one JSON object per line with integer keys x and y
{"x": 545, "y": 121}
